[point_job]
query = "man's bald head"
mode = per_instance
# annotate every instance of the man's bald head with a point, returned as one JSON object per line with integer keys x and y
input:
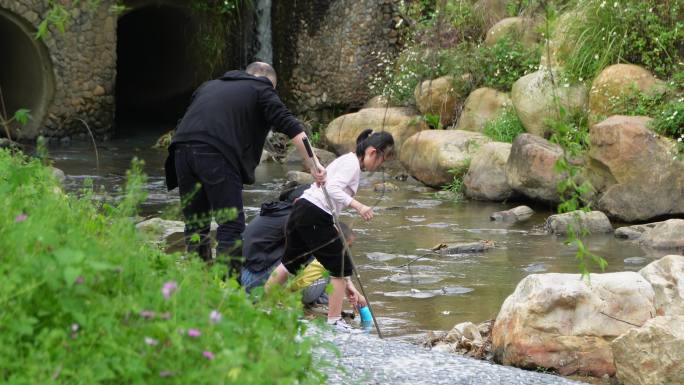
{"x": 262, "y": 69}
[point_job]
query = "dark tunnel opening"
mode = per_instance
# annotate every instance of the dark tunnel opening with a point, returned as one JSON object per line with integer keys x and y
{"x": 155, "y": 73}
{"x": 25, "y": 74}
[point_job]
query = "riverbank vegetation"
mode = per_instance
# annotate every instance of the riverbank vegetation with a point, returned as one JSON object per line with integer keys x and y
{"x": 450, "y": 38}
{"x": 493, "y": 44}
{"x": 85, "y": 298}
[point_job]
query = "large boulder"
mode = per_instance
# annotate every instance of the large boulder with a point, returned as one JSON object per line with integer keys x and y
{"x": 438, "y": 97}
{"x": 486, "y": 177}
{"x": 666, "y": 275}
{"x": 634, "y": 232}
{"x": 482, "y": 106}
{"x": 665, "y": 235}
{"x": 561, "y": 321}
{"x": 342, "y": 132}
{"x": 633, "y": 170}
{"x": 595, "y": 222}
{"x": 430, "y": 155}
{"x": 489, "y": 12}
{"x": 652, "y": 354}
{"x": 617, "y": 81}
{"x": 530, "y": 168}
{"x": 537, "y": 96}
{"x": 520, "y": 29}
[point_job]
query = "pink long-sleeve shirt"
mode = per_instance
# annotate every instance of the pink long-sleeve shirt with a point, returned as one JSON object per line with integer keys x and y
{"x": 342, "y": 182}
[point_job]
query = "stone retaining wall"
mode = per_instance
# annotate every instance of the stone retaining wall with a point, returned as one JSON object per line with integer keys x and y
{"x": 326, "y": 52}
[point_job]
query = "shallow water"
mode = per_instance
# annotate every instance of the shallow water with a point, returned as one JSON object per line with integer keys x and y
{"x": 411, "y": 289}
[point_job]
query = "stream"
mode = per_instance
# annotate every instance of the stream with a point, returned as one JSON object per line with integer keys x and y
{"x": 434, "y": 292}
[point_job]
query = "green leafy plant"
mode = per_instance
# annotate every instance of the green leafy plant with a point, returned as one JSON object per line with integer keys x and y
{"x": 506, "y": 127}
{"x": 456, "y": 186}
{"x": 86, "y": 298}
{"x": 433, "y": 120}
{"x": 571, "y": 132}
{"x": 315, "y": 139}
{"x": 670, "y": 122}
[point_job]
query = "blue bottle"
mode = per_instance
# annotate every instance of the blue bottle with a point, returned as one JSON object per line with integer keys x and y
{"x": 365, "y": 314}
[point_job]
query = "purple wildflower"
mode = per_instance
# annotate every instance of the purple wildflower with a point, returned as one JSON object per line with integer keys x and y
{"x": 194, "y": 333}
{"x": 215, "y": 316}
{"x": 208, "y": 355}
{"x": 79, "y": 280}
{"x": 165, "y": 315}
{"x": 151, "y": 341}
{"x": 20, "y": 218}
{"x": 168, "y": 288}
{"x": 147, "y": 314}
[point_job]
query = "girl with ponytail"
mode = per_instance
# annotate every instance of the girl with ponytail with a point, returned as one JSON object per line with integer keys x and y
{"x": 311, "y": 230}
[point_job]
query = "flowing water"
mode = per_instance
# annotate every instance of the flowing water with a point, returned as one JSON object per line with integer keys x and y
{"x": 411, "y": 289}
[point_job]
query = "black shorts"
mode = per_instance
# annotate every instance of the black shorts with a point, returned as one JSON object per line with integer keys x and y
{"x": 311, "y": 230}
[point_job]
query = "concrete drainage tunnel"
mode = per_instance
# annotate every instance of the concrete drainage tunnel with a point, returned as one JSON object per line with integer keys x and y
{"x": 26, "y": 80}
{"x": 155, "y": 73}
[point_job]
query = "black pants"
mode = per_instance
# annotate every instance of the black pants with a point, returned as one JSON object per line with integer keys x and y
{"x": 210, "y": 187}
{"x": 311, "y": 230}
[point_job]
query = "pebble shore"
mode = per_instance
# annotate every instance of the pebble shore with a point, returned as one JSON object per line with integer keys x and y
{"x": 366, "y": 359}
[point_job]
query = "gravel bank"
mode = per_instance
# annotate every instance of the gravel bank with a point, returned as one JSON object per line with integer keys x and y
{"x": 368, "y": 360}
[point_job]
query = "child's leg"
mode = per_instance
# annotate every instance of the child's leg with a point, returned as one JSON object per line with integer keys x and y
{"x": 336, "y": 298}
{"x": 278, "y": 277}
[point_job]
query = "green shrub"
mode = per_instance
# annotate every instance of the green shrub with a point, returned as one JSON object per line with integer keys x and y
{"x": 670, "y": 122}
{"x": 500, "y": 65}
{"x": 506, "y": 127}
{"x": 85, "y": 299}
{"x": 636, "y": 103}
{"x": 670, "y": 119}
{"x": 645, "y": 32}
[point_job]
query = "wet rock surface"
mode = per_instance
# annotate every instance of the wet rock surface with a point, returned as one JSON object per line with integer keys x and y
{"x": 651, "y": 354}
{"x": 365, "y": 359}
{"x": 595, "y": 222}
{"x": 516, "y": 214}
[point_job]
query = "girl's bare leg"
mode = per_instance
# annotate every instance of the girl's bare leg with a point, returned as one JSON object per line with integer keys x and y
{"x": 336, "y": 298}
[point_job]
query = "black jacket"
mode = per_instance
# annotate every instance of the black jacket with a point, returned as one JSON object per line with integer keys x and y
{"x": 233, "y": 114}
{"x": 263, "y": 241}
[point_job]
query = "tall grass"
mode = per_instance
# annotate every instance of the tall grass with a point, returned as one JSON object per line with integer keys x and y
{"x": 645, "y": 32}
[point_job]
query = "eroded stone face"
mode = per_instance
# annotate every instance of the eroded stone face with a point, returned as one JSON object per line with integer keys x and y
{"x": 536, "y": 98}
{"x": 486, "y": 177}
{"x": 666, "y": 275}
{"x": 562, "y": 322}
{"x": 618, "y": 81}
{"x": 430, "y": 155}
{"x": 595, "y": 222}
{"x": 438, "y": 97}
{"x": 521, "y": 29}
{"x": 482, "y": 106}
{"x": 633, "y": 170}
{"x": 342, "y": 132}
{"x": 652, "y": 354}
{"x": 530, "y": 168}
